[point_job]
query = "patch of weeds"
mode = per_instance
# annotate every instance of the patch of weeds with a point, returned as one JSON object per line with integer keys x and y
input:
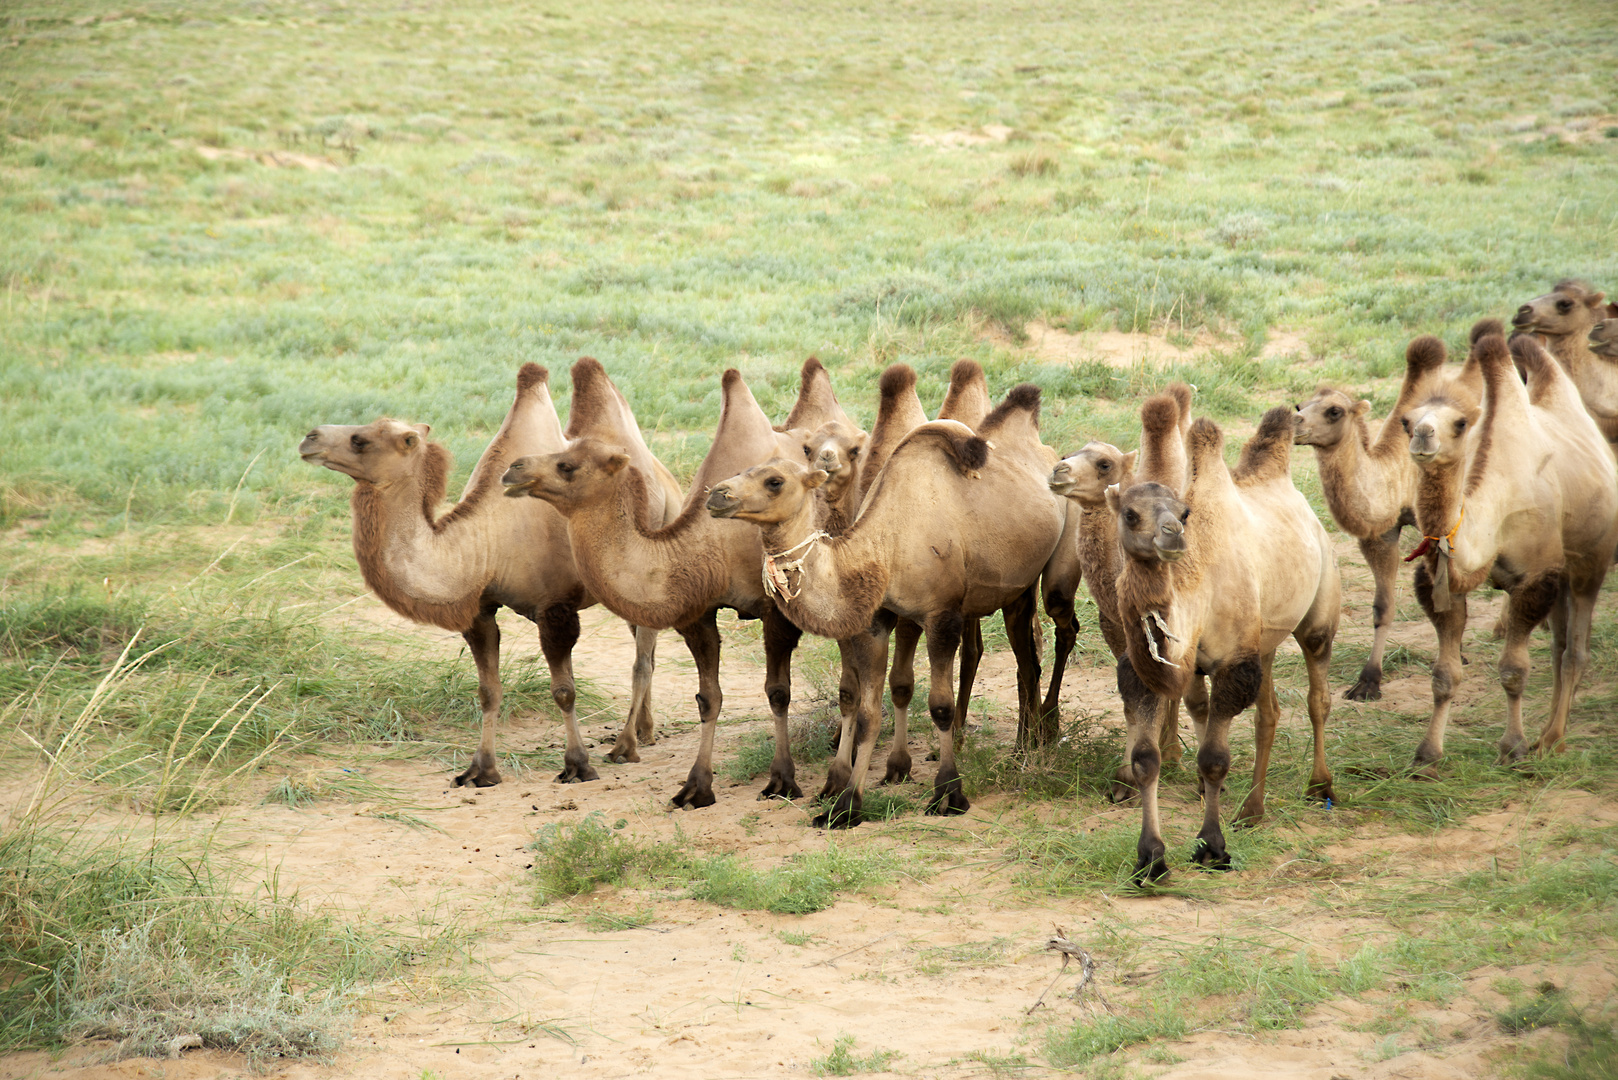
{"x": 793, "y": 937}
{"x": 1095, "y": 1037}
{"x": 751, "y": 757}
{"x": 570, "y": 860}
{"x": 1000, "y": 1064}
{"x": 607, "y": 922}
{"x": 1547, "y": 1008}
{"x": 991, "y": 953}
{"x": 1034, "y": 163}
{"x": 1081, "y": 760}
{"x": 806, "y": 883}
{"x": 885, "y": 804}
{"x": 842, "y": 1060}
{"x": 1591, "y": 1053}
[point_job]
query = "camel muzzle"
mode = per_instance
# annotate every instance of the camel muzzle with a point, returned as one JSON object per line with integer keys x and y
{"x": 1170, "y": 541}
{"x": 1061, "y": 479}
{"x": 1524, "y": 319}
{"x": 722, "y": 504}
{"x": 517, "y": 482}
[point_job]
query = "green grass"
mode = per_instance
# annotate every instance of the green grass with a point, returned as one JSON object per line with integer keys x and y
{"x": 842, "y": 1061}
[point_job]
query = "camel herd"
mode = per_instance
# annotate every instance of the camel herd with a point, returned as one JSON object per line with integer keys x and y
{"x": 1199, "y": 570}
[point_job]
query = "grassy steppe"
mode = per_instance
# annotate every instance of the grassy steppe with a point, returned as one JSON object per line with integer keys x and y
{"x": 222, "y": 222}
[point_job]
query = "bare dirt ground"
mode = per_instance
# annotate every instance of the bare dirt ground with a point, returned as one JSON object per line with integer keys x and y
{"x": 709, "y": 992}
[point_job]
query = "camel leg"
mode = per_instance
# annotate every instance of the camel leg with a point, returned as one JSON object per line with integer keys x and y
{"x": 1142, "y": 759}
{"x": 1530, "y": 602}
{"x": 1059, "y": 607}
{"x": 971, "y": 654}
{"x": 1168, "y": 732}
{"x": 1196, "y": 703}
{"x": 1269, "y": 714}
{"x": 483, "y": 642}
{"x": 901, "y": 688}
{"x": 1034, "y": 727}
{"x": 848, "y": 699}
{"x": 780, "y": 638}
{"x": 871, "y": 652}
{"x": 945, "y": 633}
{"x": 1382, "y": 556}
{"x": 1317, "y": 661}
{"x": 558, "y": 633}
{"x": 1235, "y": 686}
{"x": 1451, "y": 625}
{"x": 638, "y": 727}
{"x": 702, "y": 638}
{"x": 1126, "y": 782}
{"x": 1572, "y": 630}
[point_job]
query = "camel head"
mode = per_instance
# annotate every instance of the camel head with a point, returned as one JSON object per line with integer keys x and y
{"x": 1151, "y": 522}
{"x": 1572, "y": 307}
{"x": 377, "y": 453}
{"x": 1325, "y": 419}
{"x": 1086, "y": 475}
{"x": 835, "y": 449}
{"x": 1604, "y": 334}
{"x": 767, "y": 494}
{"x": 579, "y": 476}
{"x": 1437, "y": 428}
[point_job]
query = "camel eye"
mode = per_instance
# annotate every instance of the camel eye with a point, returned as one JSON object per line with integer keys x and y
{"x": 1103, "y": 466}
{"x": 359, "y": 443}
{"x": 1460, "y": 426}
{"x": 1334, "y": 414}
{"x": 1185, "y": 515}
{"x": 566, "y": 468}
{"x": 1131, "y": 518}
{"x": 1564, "y": 306}
{"x": 808, "y": 453}
{"x": 1405, "y": 423}
{"x": 853, "y": 452}
{"x": 774, "y": 483}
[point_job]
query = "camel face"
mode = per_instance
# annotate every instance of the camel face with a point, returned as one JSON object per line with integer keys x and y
{"x": 766, "y": 494}
{"x": 577, "y": 477}
{"x": 1323, "y": 420}
{"x": 1570, "y": 308}
{"x": 1151, "y": 522}
{"x": 1437, "y": 431}
{"x": 835, "y": 449}
{"x": 1604, "y": 334}
{"x": 1085, "y": 476}
{"x": 377, "y": 453}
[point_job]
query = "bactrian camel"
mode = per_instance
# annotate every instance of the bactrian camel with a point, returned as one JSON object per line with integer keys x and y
{"x": 457, "y": 569}
{"x": 1604, "y": 334}
{"x": 1562, "y": 319}
{"x": 681, "y": 574}
{"x": 1525, "y": 497}
{"x": 1370, "y": 486}
{"x": 952, "y": 529}
{"x": 1214, "y": 579}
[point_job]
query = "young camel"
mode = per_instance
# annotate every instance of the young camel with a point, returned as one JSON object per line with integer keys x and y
{"x": 680, "y": 575}
{"x": 1370, "y": 486}
{"x": 1213, "y": 582}
{"x": 1604, "y": 334}
{"x": 1563, "y": 319}
{"x": 951, "y": 530}
{"x": 1526, "y": 498}
{"x": 456, "y": 570}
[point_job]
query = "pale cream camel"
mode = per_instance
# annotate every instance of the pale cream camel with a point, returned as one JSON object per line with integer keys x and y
{"x": 681, "y": 574}
{"x": 457, "y": 569}
{"x": 1562, "y": 319}
{"x": 1213, "y": 581}
{"x": 1522, "y": 494}
{"x": 1370, "y": 486}
{"x": 950, "y": 530}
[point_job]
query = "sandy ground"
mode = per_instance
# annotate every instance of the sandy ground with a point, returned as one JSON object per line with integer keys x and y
{"x": 710, "y": 992}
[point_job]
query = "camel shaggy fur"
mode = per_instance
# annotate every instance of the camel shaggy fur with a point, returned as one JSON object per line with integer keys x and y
{"x": 1604, "y": 334}
{"x": 951, "y": 530}
{"x": 1562, "y": 319}
{"x": 457, "y": 569}
{"x": 681, "y": 574}
{"x": 1213, "y": 581}
{"x": 1522, "y": 494}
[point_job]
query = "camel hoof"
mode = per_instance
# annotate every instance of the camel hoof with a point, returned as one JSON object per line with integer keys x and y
{"x": 574, "y": 775}
{"x": 1150, "y": 869}
{"x": 1210, "y": 854}
{"x": 693, "y": 796}
{"x": 845, "y": 812}
{"x": 781, "y": 787}
{"x": 623, "y": 757}
{"x": 1512, "y": 753}
{"x": 1427, "y": 771}
{"x": 898, "y": 772}
{"x": 948, "y": 803}
{"x": 475, "y": 776}
{"x": 1321, "y": 791}
{"x": 1367, "y": 689}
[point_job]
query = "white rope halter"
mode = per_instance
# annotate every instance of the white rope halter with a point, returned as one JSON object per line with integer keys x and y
{"x": 775, "y": 572}
{"x": 1146, "y": 621}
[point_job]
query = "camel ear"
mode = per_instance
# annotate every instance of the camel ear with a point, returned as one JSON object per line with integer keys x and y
{"x": 1596, "y": 300}
{"x": 1361, "y": 407}
{"x": 614, "y": 463}
{"x": 1612, "y": 311}
{"x": 1115, "y": 501}
{"x": 425, "y": 429}
{"x": 815, "y": 478}
{"x": 1129, "y": 463}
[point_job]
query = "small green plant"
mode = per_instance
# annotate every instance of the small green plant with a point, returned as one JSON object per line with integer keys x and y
{"x": 843, "y": 1062}
{"x": 607, "y": 922}
{"x": 794, "y": 937}
{"x": 573, "y": 859}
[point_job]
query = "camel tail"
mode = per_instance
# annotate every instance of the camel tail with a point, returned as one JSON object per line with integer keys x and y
{"x": 531, "y": 375}
{"x": 1023, "y": 400}
{"x": 1268, "y": 454}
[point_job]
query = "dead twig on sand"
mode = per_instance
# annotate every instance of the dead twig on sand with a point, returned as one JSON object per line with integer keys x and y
{"x": 1070, "y": 951}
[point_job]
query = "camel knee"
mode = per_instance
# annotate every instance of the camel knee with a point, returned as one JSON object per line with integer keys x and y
{"x": 1512, "y": 678}
{"x": 779, "y": 697}
{"x": 1147, "y": 763}
{"x": 902, "y": 693}
{"x": 488, "y": 698}
{"x": 1443, "y": 682}
{"x": 563, "y": 695}
{"x": 1213, "y": 761}
{"x": 943, "y": 715}
{"x": 1380, "y": 612}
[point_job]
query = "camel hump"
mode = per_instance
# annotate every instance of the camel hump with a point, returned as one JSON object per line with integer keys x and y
{"x": 967, "y": 399}
{"x": 895, "y": 381}
{"x": 969, "y": 452}
{"x": 1205, "y": 443}
{"x": 1529, "y": 354}
{"x": 1424, "y": 355}
{"x": 1023, "y": 401}
{"x": 1159, "y": 416}
{"x": 1483, "y": 328}
{"x": 817, "y": 403}
{"x": 531, "y": 375}
{"x": 1182, "y": 394}
{"x": 1493, "y": 357}
{"x": 1268, "y": 454}
{"x": 594, "y": 398}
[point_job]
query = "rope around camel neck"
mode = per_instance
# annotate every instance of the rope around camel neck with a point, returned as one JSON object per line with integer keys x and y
{"x": 775, "y": 573}
{"x": 1146, "y": 621}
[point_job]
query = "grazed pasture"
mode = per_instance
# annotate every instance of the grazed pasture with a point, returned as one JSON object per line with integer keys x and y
{"x": 224, "y": 222}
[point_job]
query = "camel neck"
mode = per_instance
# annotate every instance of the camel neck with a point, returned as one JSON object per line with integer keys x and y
{"x": 427, "y": 570}
{"x": 834, "y": 585}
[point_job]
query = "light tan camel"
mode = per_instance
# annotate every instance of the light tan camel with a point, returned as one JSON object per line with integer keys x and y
{"x": 1214, "y": 581}
{"x": 1524, "y": 496}
{"x": 680, "y": 575}
{"x": 836, "y": 448}
{"x": 1370, "y": 486}
{"x": 457, "y": 569}
{"x": 988, "y": 526}
{"x": 1604, "y": 334}
{"x": 1562, "y": 319}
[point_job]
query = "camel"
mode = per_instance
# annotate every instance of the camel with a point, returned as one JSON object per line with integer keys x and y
{"x": 835, "y": 448}
{"x": 456, "y": 570}
{"x": 1370, "y": 486}
{"x": 1522, "y": 494}
{"x": 1563, "y": 319}
{"x": 680, "y": 575}
{"x": 1604, "y": 334}
{"x": 1213, "y": 581}
{"x": 950, "y": 530}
